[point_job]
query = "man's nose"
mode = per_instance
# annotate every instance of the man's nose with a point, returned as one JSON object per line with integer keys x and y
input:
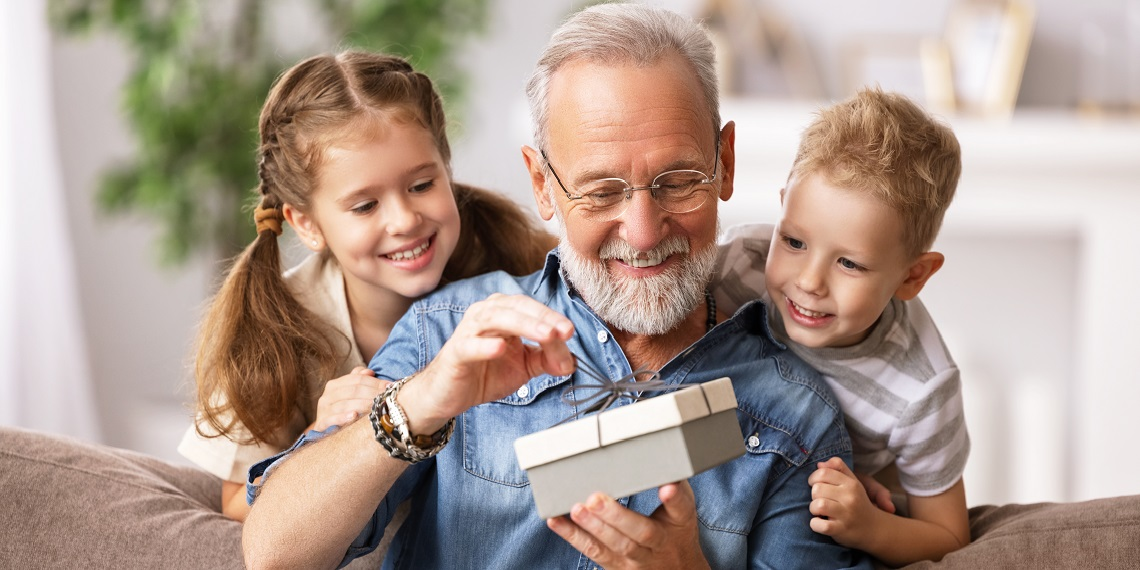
{"x": 643, "y": 223}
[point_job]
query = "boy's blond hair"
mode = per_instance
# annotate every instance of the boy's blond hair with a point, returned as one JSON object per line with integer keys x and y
{"x": 883, "y": 144}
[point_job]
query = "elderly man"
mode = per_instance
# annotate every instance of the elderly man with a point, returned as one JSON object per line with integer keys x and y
{"x": 631, "y": 159}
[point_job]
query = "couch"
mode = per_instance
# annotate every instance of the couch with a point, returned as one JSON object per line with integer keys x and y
{"x": 69, "y": 504}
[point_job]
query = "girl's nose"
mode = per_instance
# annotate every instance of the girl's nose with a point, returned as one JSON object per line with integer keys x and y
{"x": 401, "y": 217}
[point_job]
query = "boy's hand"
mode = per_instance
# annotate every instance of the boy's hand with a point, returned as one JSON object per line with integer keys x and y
{"x": 840, "y": 505}
{"x": 878, "y": 493}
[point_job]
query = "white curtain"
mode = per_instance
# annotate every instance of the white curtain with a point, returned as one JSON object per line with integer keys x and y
{"x": 45, "y": 381}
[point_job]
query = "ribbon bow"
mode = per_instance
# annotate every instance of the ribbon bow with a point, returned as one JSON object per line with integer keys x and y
{"x": 603, "y": 394}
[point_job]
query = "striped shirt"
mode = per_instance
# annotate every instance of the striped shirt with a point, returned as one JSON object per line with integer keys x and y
{"x": 899, "y": 389}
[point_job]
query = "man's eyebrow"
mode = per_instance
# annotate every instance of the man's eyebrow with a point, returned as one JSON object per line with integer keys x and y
{"x": 595, "y": 173}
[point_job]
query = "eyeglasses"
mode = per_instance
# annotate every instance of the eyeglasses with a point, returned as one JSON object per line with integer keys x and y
{"x": 675, "y": 191}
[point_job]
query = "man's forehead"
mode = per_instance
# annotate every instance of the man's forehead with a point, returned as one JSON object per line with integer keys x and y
{"x": 599, "y": 103}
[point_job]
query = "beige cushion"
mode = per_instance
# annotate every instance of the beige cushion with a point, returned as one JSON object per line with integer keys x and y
{"x": 1102, "y": 534}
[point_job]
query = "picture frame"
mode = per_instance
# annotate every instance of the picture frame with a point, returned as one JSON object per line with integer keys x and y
{"x": 986, "y": 45}
{"x": 975, "y": 67}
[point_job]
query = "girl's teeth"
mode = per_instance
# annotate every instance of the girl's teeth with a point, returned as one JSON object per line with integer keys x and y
{"x": 411, "y": 253}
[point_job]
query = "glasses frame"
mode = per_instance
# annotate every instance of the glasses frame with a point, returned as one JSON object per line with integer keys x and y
{"x": 630, "y": 189}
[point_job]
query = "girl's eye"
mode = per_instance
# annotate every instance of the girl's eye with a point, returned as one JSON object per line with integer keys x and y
{"x": 423, "y": 187}
{"x": 848, "y": 264}
{"x": 793, "y": 242}
{"x": 364, "y": 207}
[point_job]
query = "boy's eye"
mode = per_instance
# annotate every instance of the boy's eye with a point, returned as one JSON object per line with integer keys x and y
{"x": 793, "y": 242}
{"x": 422, "y": 187}
{"x": 364, "y": 207}
{"x": 848, "y": 264}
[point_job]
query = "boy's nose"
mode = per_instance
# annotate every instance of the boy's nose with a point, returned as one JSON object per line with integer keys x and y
{"x": 810, "y": 280}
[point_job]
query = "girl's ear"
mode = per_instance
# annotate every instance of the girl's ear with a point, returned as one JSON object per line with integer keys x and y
{"x": 535, "y": 165}
{"x": 919, "y": 272}
{"x": 305, "y": 227}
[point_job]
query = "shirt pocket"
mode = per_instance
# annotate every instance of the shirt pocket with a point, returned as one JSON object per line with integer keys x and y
{"x": 489, "y": 430}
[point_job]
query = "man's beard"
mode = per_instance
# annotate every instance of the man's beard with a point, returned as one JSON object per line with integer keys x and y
{"x": 647, "y": 305}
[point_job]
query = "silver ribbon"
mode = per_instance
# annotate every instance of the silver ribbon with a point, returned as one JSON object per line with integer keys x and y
{"x": 602, "y": 395}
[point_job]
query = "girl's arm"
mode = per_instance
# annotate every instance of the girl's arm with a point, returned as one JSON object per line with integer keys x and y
{"x": 936, "y": 526}
{"x": 233, "y": 501}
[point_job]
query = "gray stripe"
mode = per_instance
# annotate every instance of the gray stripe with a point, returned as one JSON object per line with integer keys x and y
{"x": 942, "y": 478}
{"x": 933, "y": 401}
{"x": 940, "y": 440}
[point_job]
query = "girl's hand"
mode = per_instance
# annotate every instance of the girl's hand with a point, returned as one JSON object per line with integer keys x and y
{"x": 347, "y": 398}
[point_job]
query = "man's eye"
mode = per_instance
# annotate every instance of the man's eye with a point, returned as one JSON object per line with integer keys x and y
{"x": 605, "y": 197}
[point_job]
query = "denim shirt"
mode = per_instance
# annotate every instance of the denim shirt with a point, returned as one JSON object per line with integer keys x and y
{"x": 471, "y": 505}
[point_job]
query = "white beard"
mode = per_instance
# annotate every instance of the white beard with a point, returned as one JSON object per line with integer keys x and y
{"x": 649, "y": 305}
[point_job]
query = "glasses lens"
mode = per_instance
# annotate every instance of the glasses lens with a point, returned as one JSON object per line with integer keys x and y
{"x": 604, "y": 198}
{"x": 681, "y": 191}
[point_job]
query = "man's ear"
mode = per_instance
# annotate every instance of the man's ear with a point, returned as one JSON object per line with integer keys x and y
{"x": 919, "y": 272}
{"x": 304, "y": 226}
{"x": 535, "y": 165}
{"x": 728, "y": 159}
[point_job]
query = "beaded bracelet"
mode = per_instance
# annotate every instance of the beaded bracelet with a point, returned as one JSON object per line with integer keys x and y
{"x": 390, "y": 426}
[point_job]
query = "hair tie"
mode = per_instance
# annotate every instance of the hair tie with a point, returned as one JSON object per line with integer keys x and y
{"x": 267, "y": 219}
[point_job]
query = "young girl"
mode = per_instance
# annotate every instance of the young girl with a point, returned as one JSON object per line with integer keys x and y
{"x": 354, "y": 156}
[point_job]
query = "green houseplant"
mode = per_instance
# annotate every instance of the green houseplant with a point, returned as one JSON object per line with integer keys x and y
{"x": 200, "y": 73}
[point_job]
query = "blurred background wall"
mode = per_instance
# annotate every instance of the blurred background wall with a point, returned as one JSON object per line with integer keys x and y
{"x": 1036, "y": 300}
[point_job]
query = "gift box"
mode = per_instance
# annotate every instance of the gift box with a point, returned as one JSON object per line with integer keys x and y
{"x": 633, "y": 448}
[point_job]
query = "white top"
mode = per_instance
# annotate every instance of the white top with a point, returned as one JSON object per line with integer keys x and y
{"x": 318, "y": 284}
{"x": 899, "y": 389}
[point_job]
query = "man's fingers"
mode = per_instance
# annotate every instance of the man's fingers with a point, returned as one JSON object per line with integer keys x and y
{"x": 598, "y": 519}
{"x": 679, "y": 504}
{"x": 576, "y": 537}
{"x": 507, "y": 316}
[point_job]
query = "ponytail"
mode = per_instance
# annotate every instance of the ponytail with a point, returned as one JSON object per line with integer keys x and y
{"x": 258, "y": 345}
{"x": 496, "y": 233}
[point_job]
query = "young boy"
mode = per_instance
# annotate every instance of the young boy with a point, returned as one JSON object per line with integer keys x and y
{"x": 840, "y": 274}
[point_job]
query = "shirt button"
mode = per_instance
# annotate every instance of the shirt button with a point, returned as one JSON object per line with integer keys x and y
{"x": 753, "y": 441}
{"x": 603, "y": 336}
{"x": 523, "y": 391}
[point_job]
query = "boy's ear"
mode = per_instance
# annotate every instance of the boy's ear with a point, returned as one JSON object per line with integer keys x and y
{"x": 304, "y": 226}
{"x": 919, "y": 272}
{"x": 535, "y": 165}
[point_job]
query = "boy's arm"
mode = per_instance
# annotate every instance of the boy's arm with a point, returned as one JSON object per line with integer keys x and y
{"x": 937, "y": 525}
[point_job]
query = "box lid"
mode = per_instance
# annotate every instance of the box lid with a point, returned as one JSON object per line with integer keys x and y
{"x": 611, "y": 426}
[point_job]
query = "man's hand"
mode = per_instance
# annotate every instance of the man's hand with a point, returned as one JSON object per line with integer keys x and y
{"x": 485, "y": 359}
{"x": 841, "y": 506}
{"x": 616, "y": 537}
{"x": 347, "y": 398}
